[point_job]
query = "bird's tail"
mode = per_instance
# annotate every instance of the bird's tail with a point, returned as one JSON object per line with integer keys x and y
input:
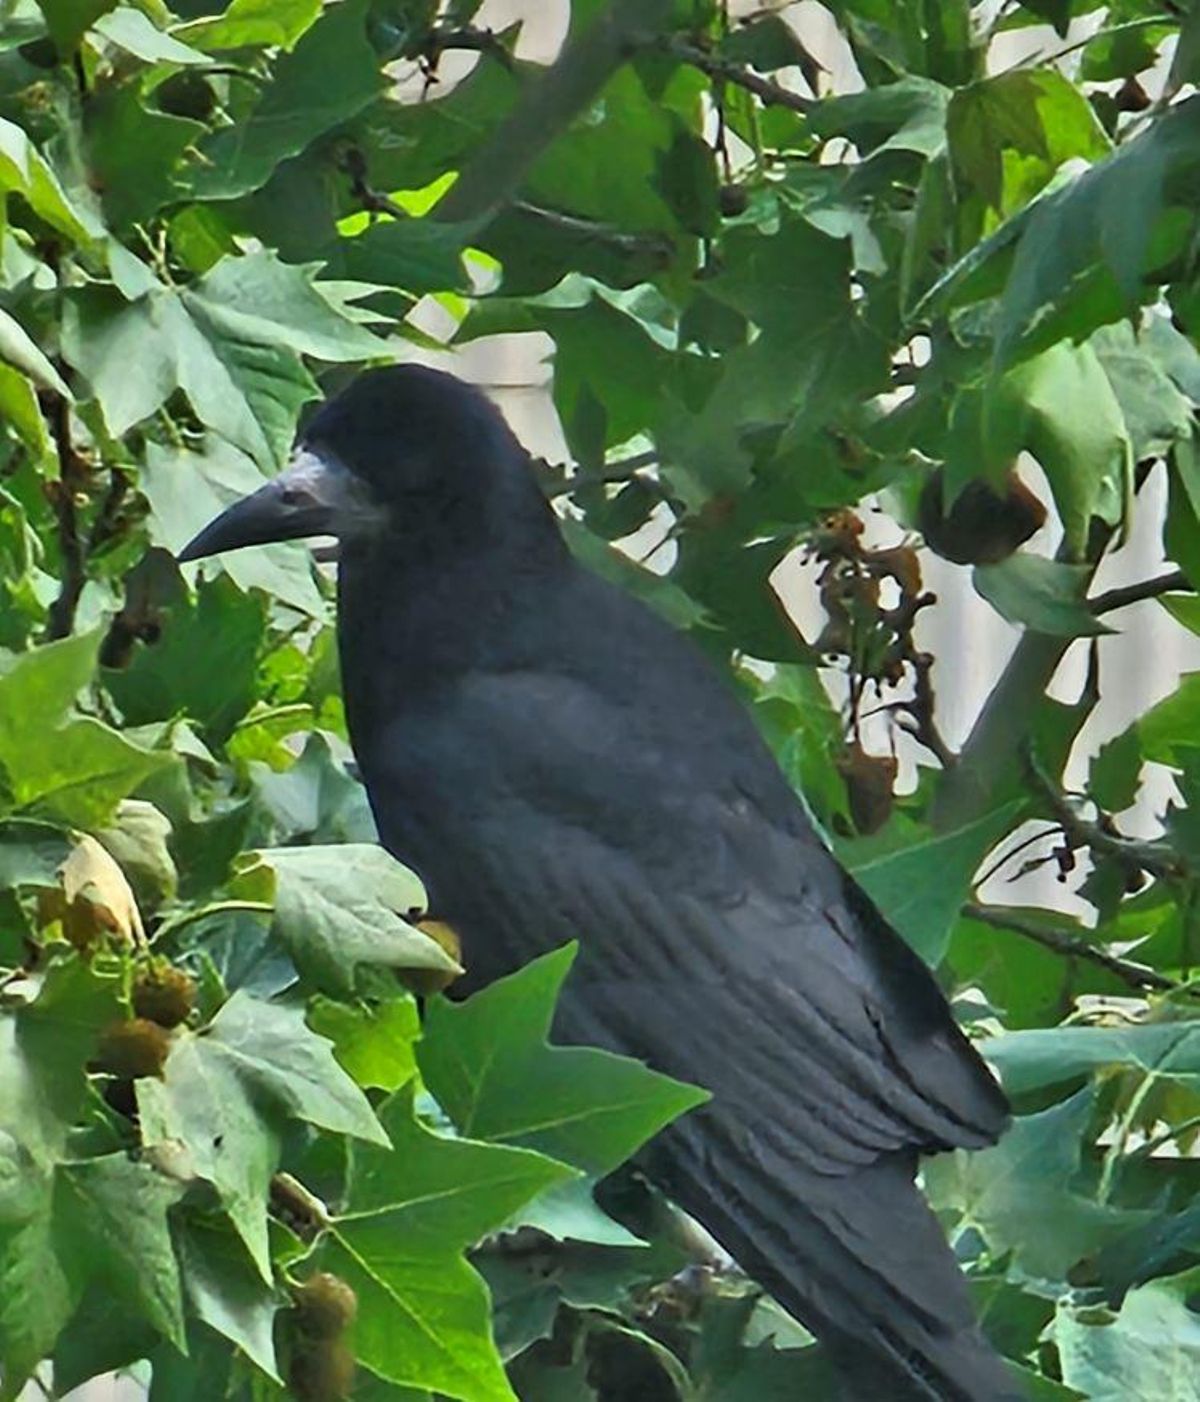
{"x": 860, "y": 1259}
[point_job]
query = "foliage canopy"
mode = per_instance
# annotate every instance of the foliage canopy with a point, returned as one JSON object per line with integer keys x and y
{"x": 231, "y": 1153}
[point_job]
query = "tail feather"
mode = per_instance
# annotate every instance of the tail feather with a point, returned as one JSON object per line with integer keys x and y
{"x": 860, "y": 1259}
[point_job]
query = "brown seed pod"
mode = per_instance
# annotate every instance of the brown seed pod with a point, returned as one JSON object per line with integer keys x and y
{"x": 869, "y": 782}
{"x": 983, "y": 525}
{"x": 134, "y": 1048}
{"x": 322, "y": 1370}
{"x": 426, "y": 982}
{"x": 165, "y": 995}
{"x": 325, "y": 1306}
{"x": 732, "y": 200}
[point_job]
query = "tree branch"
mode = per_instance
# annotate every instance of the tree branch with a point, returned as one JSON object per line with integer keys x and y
{"x": 995, "y": 740}
{"x": 768, "y": 92}
{"x": 586, "y": 63}
{"x": 1171, "y": 583}
{"x": 1002, "y": 726}
{"x": 1070, "y": 946}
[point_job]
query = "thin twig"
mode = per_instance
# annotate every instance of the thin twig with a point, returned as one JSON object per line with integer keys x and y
{"x": 107, "y": 523}
{"x": 72, "y": 473}
{"x": 921, "y": 708}
{"x": 627, "y": 470}
{"x": 1151, "y": 1146}
{"x": 1171, "y": 583}
{"x": 1070, "y": 946}
{"x": 471, "y": 38}
{"x": 1156, "y": 858}
{"x": 768, "y": 92}
{"x": 657, "y": 245}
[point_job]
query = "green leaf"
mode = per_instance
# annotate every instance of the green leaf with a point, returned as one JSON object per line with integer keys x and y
{"x": 1139, "y": 367}
{"x": 113, "y": 1212}
{"x": 907, "y": 115}
{"x": 375, "y": 1045}
{"x": 232, "y": 342}
{"x": 31, "y": 854}
{"x": 254, "y": 24}
{"x": 1008, "y": 134}
{"x": 19, "y": 350}
{"x": 1021, "y": 1194}
{"x": 132, "y": 31}
{"x": 329, "y": 77}
{"x": 1149, "y": 1352}
{"x": 37, "y": 1296}
{"x": 1103, "y": 223}
{"x": 1115, "y": 772}
{"x": 605, "y": 168}
{"x": 1167, "y": 731}
{"x": 921, "y": 887}
{"x": 25, "y": 171}
{"x": 414, "y": 255}
{"x": 102, "y": 1221}
{"x": 1040, "y": 1058}
{"x": 410, "y": 1212}
{"x": 203, "y": 664}
{"x": 1042, "y": 595}
{"x": 136, "y": 153}
{"x": 38, "y": 687}
{"x": 226, "y": 1292}
{"x": 1073, "y": 424}
{"x": 78, "y": 770}
{"x": 103, "y": 1335}
{"x": 569, "y": 1212}
{"x": 49, "y": 1025}
{"x": 315, "y": 799}
{"x": 340, "y": 906}
{"x": 19, "y": 408}
{"x": 593, "y": 1109}
{"x": 69, "y": 20}
{"x": 227, "y": 1089}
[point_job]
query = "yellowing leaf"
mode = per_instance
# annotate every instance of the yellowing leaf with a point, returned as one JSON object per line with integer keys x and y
{"x": 98, "y": 898}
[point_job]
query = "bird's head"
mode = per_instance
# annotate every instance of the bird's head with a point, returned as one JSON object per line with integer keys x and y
{"x": 401, "y": 447}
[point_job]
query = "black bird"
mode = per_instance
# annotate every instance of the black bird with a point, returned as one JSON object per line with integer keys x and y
{"x": 555, "y": 761}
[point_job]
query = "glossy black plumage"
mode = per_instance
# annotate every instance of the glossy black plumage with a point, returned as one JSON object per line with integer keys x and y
{"x": 557, "y": 763}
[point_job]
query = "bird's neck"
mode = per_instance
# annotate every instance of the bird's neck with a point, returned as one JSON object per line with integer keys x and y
{"x": 418, "y": 609}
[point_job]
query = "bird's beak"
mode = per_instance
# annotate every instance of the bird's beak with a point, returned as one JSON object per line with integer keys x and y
{"x": 313, "y": 495}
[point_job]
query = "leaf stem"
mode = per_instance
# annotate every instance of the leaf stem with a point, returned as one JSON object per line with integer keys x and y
{"x": 189, "y": 917}
{"x": 1116, "y": 1150}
